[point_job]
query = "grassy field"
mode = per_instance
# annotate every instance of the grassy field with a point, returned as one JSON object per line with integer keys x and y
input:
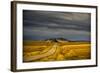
{"x": 35, "y": 51}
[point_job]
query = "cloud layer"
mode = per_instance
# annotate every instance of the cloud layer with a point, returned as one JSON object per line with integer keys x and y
{"x": 39, "y": 25}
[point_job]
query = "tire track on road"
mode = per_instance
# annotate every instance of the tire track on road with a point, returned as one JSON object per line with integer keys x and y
{"x": 48, "y": 53}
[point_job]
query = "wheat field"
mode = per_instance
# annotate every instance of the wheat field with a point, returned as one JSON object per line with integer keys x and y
{"x": 42, "y": 51}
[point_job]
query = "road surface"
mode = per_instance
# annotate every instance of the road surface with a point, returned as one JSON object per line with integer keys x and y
{"x": 48, "y": 53}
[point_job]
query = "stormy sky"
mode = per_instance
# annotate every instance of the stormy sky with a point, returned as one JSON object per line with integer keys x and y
{"x": 41, "y": 25}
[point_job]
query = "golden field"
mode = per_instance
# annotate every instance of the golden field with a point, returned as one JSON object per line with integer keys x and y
{"x": 35, "y": 51}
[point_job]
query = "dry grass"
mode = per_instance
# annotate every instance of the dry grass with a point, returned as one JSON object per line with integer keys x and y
{"x": 63, "y": 50}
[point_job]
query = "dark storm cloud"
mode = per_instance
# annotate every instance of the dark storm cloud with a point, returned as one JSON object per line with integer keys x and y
{"x": 50, "y": 24}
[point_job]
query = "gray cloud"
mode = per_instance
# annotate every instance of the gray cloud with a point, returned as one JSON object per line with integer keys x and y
{"x": 49, "y": 24}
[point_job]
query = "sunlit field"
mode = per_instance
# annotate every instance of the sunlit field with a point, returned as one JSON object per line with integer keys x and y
{"x": 40, "y": 51}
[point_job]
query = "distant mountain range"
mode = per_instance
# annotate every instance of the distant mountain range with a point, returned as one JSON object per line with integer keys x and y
{"x": 57, "y": 39}
{"x": 63, "y": 40}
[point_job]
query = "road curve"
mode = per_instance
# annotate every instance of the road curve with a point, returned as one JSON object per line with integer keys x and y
{"x": 48, "y": 53}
